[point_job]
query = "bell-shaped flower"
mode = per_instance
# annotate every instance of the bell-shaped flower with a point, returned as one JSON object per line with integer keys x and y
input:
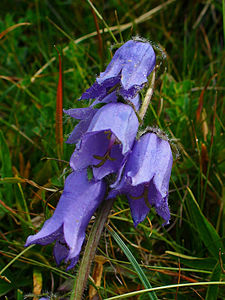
{"x": 67, "y": 226}
{"x": 146, "y": 176}
{"x": 107, "y": 141}
{"x": 127, "y": 72}
{"x": 86, "y": 114}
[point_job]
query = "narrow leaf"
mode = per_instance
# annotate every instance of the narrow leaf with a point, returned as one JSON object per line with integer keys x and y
{"x": 134, "y": 263}
{"x": 11, "y": 28}
{"x": 207, "y": 232}
{"x": 212, "y": 290}
{"x": 195, "y": 262}
{"x": 6, "y": 169}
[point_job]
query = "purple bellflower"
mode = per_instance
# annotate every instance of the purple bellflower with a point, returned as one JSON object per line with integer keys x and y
{"x": 86, "y": 114}
{"x": 67, "y": 226}
{"x": 146, "y": 177}
{"x": 107, "y": 141}
{"x": 127, "y": 72}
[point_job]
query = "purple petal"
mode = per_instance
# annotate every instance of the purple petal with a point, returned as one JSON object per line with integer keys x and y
{"x": 60, "y": 250}
{"x": 129, "y": 68}
{"x": 142, "y": 163}
{"x": 113, "y": 119}
{"x": 139, "y": 64}
{"x": 139, "y": 210}
{"x": 148, "y": 166}
{"x": 114, "y": 68}
{"x": 79, "y": 131}
{"x": 135, "y": 101}
{"x": 92, "y": 143}
{"x": 67, "y": 226}
{"x": 110, "y": 166}
{"x": 80, "y": 113}
{"x": 110, "y": 98}
{"x": 100, "y": 91}
{"x": 159, "y": 201}
{"x": 85, "y": 115}
{"x": 151, "y": 157}
{"x": 120, "y": 119}
{"x": 133, "y": 61}
{"x": 95, "y": 91}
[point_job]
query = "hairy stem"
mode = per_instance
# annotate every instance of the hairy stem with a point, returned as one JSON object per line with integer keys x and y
{"x": 90, "y": 249}
{"x": 147, "y": 98}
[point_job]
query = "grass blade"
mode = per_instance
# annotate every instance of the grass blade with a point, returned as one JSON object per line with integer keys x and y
{"x": 5, "y": 170}
{"x": 212, "y": 290}
{"x": 207, "y": 232}
{"x": 134, "y": 263}
{"x": 11, "y": 28}
{"x": 172, "y": 286}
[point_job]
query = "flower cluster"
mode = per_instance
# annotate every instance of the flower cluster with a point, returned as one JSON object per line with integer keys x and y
{"x": 106, "y": 146}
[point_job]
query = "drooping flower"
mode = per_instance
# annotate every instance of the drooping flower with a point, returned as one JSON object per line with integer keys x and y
{"x": 126, "y": 73}
{"x": 108, "y": 139}
{"x": 86, "y": 114}
{"x": 146, "y": 178}
{"x": 67, "y": 226}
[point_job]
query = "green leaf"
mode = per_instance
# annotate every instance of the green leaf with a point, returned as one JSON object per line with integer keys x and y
{"x": 207, "y": 232}
{"x": 134, "y": 263}
{"x": 195, "y": 262}
{"x": 19, "y": 295}
{"x": 6, "y": 169}
{"x": 212, "y": 290}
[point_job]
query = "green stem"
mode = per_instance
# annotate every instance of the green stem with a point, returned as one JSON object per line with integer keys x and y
{"x": 90, "y": 249}
{"x": 223, "y": 9}
{"x": 147, "y": 98}
{"x": 104, "y": 22}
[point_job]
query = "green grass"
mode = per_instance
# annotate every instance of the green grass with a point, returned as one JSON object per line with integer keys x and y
{"x": 190, "y": 249}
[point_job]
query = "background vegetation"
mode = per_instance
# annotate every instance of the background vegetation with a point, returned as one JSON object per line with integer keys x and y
{"x": 188, "y": 104}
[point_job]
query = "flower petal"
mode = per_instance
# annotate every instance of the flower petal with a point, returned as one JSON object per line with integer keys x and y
{"x": 142, "y": 163}
{"x": 110, "y": 166}
{"x": 110, "y": 98}
{"x": 100, "y": 91}
{"x": 67, "y": 226}
{"x": 95, "y": 91}
{"x": 113, "y": 119}
{"x": 138, "y": 207}
{"x": 148, "y": 167}
{"x": 129, "y": 68}
{"x": 92, "y": 143}
{"x": 80, "y": 113}
{"x": 120, "y": 119}
{"x": 136, "y": 102}
{"x": 85, "y": 115}
{"x": 140, "y": 61}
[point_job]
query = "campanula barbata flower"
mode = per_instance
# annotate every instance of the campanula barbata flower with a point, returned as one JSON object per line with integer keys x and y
{"x": 146, "y": 176}
{"x": 108, "y": 139}
{"x": 67, "y": 226}
{"x": 106, "y": 144}
{"x": 127, "y": 72}
{"x": 86, "y": 114}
